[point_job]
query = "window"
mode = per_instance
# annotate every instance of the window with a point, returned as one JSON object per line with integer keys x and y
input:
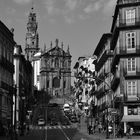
{"x": 56, "y": 62}
{"x": 131, "y": 88}
{"x": 131, "y": 65}
{"x": 38, "y": 77}
{"x": 130, "y": 16}
{"x": 132, "y": 110}
{"x": 47, "y": 83}
{"x": 131, "y": 40}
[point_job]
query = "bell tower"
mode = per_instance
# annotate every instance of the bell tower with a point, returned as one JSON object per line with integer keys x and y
{"x": 32, "y": 37}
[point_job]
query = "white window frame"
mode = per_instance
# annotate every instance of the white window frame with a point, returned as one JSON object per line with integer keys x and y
{"x": 130, "y": 16}
{"x": 132, "y": 88}
{"x": 131, "y": 64}
{"x": 131, "y": 40}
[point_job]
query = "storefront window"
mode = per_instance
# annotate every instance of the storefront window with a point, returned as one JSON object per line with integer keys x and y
{"x": 132, "y": 111}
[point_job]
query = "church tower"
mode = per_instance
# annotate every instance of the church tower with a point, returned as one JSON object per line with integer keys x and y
{"x": 32, "y": 37}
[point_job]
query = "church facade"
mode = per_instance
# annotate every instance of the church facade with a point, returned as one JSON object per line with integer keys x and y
{"x": 55, "y": 71}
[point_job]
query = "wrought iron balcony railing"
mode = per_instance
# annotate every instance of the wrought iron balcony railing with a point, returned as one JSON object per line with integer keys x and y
{"x": 127, "y": 1}
{"x": 128, "y": 22}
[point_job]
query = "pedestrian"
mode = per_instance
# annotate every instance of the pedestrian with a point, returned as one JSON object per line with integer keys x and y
{"x": 94, "y": 127}
{"x": 128, "y": 132}
{"x": 27, "y": 129}
{"x": 89, "y": 129}
{"x": 131, "y": 131}
{"x": 99, "y": 127}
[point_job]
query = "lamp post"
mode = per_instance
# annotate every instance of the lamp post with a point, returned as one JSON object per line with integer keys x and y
{"x": 107, "y": 133}
{"x": 15, "y": 114}
{"x": 11, "y": 127}
{"x": 22, "y": 121}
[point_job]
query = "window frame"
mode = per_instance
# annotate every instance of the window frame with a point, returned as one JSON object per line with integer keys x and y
{"x": 132, "y": 88}
{"x": 131, "y": 40}
{"x": 131, "y": 65}
{"x": 130, "y": 16}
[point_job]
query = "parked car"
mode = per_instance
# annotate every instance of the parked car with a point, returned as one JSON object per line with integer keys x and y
{"x": 66, "y": 107}
{"x": 41, "y": 122}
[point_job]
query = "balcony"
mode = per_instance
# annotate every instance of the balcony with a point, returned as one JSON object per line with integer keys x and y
{"x": 132, "y": 75}
{"x": 132, "y": 98}
{"x": 120, "y": 2}
{"x": 123, "y": 52}
{"x": 128, "y": 22}
{"x": 103, "y": 58}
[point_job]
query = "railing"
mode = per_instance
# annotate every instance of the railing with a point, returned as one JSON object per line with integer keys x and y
{"x": 123, "y": 50}
{"x": 132, "y": 98}
{"x": 127, "y": 1}
{"x": 128, "y": 22}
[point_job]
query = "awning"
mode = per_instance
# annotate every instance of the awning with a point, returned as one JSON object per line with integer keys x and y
{"x": 131, "y": 118}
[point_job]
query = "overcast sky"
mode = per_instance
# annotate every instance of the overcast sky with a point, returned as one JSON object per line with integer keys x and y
{"x": 77, "y": 23}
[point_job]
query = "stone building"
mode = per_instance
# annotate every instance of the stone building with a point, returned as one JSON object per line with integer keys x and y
{"x": 24, "y": 89}
{"x": 32, "y": 37}
{"x": 125, "y": 67}
{"x": 7, "y": 44}
{"x": 55, "y": 71}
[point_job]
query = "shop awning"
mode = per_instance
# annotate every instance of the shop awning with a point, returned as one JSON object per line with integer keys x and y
{"x": 131, "y": 118}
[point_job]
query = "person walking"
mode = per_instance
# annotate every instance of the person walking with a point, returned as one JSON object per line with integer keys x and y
{"x": 89, "y": 129}
{"x": 131, "y": 131}
{"x": 99, "y": 127}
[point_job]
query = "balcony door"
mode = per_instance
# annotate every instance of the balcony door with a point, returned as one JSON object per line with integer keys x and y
{"x": 130, "y": 16}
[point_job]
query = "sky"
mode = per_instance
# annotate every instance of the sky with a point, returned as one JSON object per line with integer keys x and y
{"x": 77, "y": 23}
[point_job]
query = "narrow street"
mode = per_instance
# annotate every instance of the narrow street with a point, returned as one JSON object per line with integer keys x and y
{"x": 54, "y": 133}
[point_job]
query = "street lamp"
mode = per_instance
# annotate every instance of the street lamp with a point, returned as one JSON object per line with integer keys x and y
{"x": 107, "y": 133}
{"x": 22, "y": 121}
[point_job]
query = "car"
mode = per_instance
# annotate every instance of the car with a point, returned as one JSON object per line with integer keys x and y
{"x": 66, "y": 107}
{"x": 41, "y": 122}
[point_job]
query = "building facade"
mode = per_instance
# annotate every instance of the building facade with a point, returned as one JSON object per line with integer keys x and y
{"x": 7, "y": 44}
{"x": 23, "y": 78}
{"x": 55, "y": 71}
{"x": 36, "y": 60}
{"x": 126, "y": 60}
{"x": 32, "y": 37}
{"x": 104, "y": 93}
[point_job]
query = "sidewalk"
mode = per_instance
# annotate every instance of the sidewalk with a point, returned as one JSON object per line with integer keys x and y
{"x": 82, "y": 127}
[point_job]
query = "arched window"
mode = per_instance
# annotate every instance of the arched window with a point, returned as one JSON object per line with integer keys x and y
{"x": 56, "y": 82}
{"x": 56, "y": 62}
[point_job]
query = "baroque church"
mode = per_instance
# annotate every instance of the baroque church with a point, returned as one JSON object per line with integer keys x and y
{"x": 52, "y": 67}
{"x": 55, "y": 71}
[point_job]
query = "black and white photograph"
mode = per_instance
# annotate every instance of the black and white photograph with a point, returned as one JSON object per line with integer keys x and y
{"x": 69, "y": 69}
